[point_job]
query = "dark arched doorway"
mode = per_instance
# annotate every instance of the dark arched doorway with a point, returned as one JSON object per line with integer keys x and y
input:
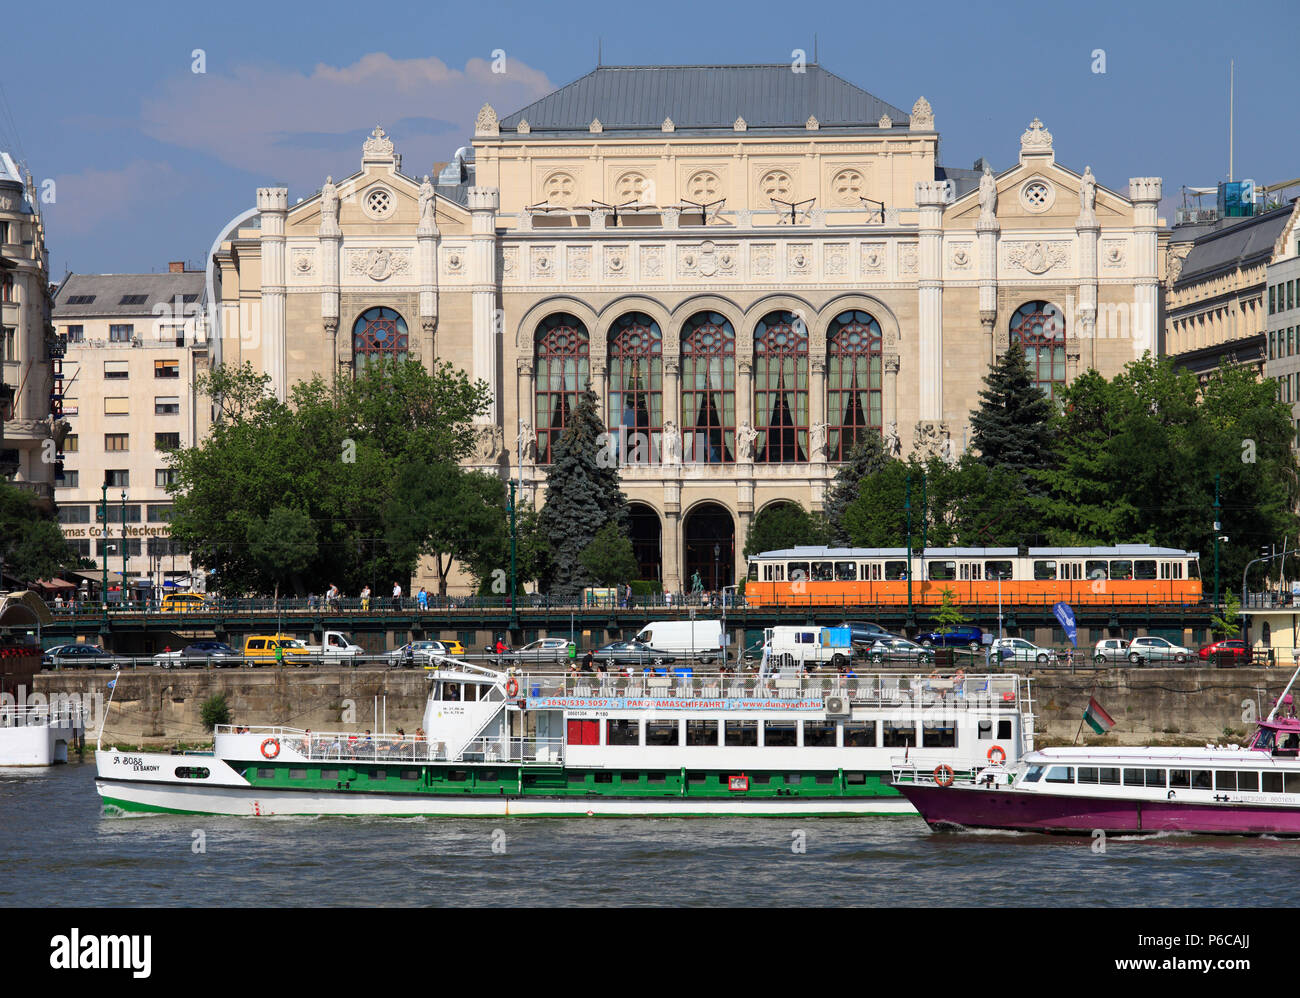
{"x": 709, "y": 547}
{"x": 647, "y": 541}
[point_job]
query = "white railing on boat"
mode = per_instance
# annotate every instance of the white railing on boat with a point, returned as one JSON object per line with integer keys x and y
{"x": 61, "y": 716}
{"x": 350, "y": 746}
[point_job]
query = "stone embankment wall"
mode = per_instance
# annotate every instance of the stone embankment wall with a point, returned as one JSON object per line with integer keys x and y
{"x": 1150, "y": 706}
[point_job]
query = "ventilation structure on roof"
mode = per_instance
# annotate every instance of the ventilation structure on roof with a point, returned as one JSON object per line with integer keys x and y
{"x": 81, "y": 299}
{"x": 133, "y": 299}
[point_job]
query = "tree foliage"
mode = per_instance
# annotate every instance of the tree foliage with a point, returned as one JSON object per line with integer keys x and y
{"x": 31, "y": 544}
{"x": 867, "y": 457}
{"x": 949, "y": 614}
{"x": 609, "y": 559}
{"x": 1011, "y": 428}
{"x": 782, "y": 525}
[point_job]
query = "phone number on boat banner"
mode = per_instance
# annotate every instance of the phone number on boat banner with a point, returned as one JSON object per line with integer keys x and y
{"x": 666, "y": 703}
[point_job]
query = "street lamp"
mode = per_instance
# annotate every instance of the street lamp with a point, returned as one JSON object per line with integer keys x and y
{"x": 1217, "y": 528}
{"x": 124, "y": 579}
{"x": 717, "y": 571}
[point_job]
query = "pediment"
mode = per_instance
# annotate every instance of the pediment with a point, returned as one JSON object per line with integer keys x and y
{"x": 1037, "y": 193}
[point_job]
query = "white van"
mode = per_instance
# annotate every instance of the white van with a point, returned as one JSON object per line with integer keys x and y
{"x": 798, "y": 646}
{"x": 701, "y": 638}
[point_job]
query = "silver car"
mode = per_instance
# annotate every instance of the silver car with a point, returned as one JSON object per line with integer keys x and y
{"x": 542, "y": 650}
{"x": 1110, "y": 650}
{"x": 1144, "y": 651}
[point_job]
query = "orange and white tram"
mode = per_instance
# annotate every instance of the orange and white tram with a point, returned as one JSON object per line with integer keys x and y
{"x": 821, "y": 576}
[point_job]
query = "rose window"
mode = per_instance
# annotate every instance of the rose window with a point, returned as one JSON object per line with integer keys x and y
{"x": 776, "y": 184}
{"x": 560, "y": 189}
{"x": 379, "y": 203}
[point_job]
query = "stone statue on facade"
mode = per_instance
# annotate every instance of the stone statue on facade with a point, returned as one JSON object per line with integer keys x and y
{"x": 932, "y": 440}
{"x": 893, "y": 443}
{"x": 489, "y": 444}
{"x": 426, "y": 202}
{"x": 671, "y": 448}
{"x": 527, "y": 442}
{"x": 329, "y": 203}
{"x": 746, "y": 439}
{"x": 817, "y": 441}
{"x": 1088, "y": 197}
{"x": 988, "y": 196}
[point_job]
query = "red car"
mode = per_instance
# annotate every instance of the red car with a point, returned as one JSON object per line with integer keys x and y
{"x": 1236, "y": 649}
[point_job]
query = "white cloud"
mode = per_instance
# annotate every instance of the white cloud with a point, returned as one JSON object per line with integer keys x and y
{"x": 86, "y": 200}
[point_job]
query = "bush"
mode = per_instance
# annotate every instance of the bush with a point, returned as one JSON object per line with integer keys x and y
{"x": 215, "y": 710}
{"x": 646, "y": 587}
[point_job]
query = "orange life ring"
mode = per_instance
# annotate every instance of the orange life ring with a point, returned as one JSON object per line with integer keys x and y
{"x": 512, "y": 687}
{"x": 1001, "y": 755}
{"x": 943, "y": 775}
{"x": 271, "y": 748}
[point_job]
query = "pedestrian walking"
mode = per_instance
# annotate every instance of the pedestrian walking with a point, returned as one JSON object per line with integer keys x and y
{"x": 424, "y": 598}
{"x": 397, "y": 596}
{"x": 365, "y": 598}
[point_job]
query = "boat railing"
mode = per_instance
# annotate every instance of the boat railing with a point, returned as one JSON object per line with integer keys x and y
{"x": 43, "y": 716}
{"x": 353, "y": 746}
{"x": 924, "y": 773}
{"x": 967, "y": 692}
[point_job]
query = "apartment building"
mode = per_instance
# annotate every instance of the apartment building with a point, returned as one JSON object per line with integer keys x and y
{"x": 1283, "y": 325}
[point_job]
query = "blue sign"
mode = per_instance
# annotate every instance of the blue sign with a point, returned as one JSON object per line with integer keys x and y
{"x": 1066, "y": 616}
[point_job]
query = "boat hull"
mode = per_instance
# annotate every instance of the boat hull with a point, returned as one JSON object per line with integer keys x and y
{"x": 161, "y": 798}
{"x": 37, "y": 745}
{"x": 958, "y": 807}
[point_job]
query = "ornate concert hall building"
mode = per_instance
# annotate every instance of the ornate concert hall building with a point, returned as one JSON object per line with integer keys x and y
{"x": 751, "y": 266}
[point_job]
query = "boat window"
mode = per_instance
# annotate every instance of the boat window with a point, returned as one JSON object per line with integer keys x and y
{"x": 1271, "y": 782}
{"x": 199, "y": 773}
{"x": 1044, "y": 570}
{"x": 656, "y": 777}
{"x": 629, "y": 777}
{"x": 1248, "y": 780}
{"x": 622, "y": 732}
{"x": 661, "y": 733}
{"x": 859, "y": 734}
{"x": 1096, "y": 569}
{"x": 740, "y": 733}
{"x": 1033, "y": 774}
{"x": 819, "y": 734}
{"x": 793, "y": 779}
{"x": 846, "y": 571}
{"x": 939, "y": 735}
{"x": 825, "y": 778}
{"x": 490, "y": 776}
{"x": 1004, "y": 728}
{"x": 1202, "y": 779}
{"x": 604, "y": 777}
{"x": 855, "y": 779}
{"x": 986, "y": 729}
{"x": 266, "y": 774}
{"x": 764, "y": 778}
{"x": 580, "y": 779}
{"x": 1156, "y": 778}
{"x": 1292, "y": 783}
{"x": 943, "y": 571}
{"x": 1225, "y": 780}
{"x": 701, "y": 732}
{"x": 329, "y": 774}
{"x": 1087, "y": 774}
{"x": 1109, "y": 776}
{"x": 1144, "y": 570}
{"x": 895, "y": 571}
{"x": 823, "y": 571}
{"x": 1060, "y": 774}
{"x": 1265, "y": 739}
{"x": 1180, "y": 778}
{"x": 301, "y": 774}
{"x": 457, "y": 776}
{"x": 899, "y": 734}
{"x": 780, "y": 734}
{"x": 1134, "y": 778}
{"x": 796, "y": 570}
{"x": 994, "y": 570}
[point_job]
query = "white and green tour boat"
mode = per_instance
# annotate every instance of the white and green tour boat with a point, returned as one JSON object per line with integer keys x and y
{"x": 498, "y": 743}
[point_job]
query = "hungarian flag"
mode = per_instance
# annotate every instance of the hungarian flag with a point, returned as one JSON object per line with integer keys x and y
{"x": 1097, "y": 718}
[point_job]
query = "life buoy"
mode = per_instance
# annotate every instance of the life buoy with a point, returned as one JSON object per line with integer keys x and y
{"x": 943, "y": 775}
{"x": 512, "y": 687}
{"x": 271, "y": 748}
{"x": 1001, "y": 754}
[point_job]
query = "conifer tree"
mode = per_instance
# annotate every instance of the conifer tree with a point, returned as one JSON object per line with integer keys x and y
{"x": 582, "y": 496}
{"x": 867, "y": 457}
{"x": 1012, "y": 427}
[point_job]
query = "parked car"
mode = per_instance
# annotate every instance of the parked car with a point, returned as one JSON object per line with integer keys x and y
{"x": 964, "y": 636}
{"x": 77, "y": 656}
{"x": 618, "y": 653}
{"x": 182, "y": 602}
{"x": 864, "y": 632}
{"x": 406, "y": 656}
{"x": 542, "y": 650}
{"x": 1020, "y": 650}
{"x": 454, "y": 648}
{"x": 1233, "y": 651}
{"x": 1110, "y": 650}
{"x": 1143, "y": 651}
{"x": 893, "y": 647}
{"x": 218, "y": 652}
{"x": 260, "y": 648}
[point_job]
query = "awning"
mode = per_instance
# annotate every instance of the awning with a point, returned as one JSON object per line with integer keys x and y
{"x": 53, "y": 584}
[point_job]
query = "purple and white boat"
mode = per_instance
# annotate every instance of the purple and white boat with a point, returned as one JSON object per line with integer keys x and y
{"x": 1222, "y": 790}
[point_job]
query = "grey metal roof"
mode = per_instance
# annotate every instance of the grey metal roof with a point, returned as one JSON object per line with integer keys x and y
{"x": 1249, "y": 241}
{"x": 704, "y": 97}
{"x": 12, "y": 180}
{"x": 1118, "y": 550}
{"x": 454, "y": 192}
{"x": 109, "y": 289}
{"x": 964, "y": 181}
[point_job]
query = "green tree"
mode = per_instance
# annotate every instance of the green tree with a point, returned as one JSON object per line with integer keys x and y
{"x": 867, "y": 457}
{"x": 608, "y": 559}
{"x": 283, "y": 546}
{"x": 877, "y": 517}
{"x": 949, "y": 614}
{"x": 214, "y": 710}
{"x": 1226, "y": 624}
{"x": 1011, "y": 428}
{"x": 582, "y": 495}
{"x": 782, "y": 525}
{"x": 31, "y": 544}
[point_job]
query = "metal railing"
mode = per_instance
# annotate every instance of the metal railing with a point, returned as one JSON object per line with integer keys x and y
{"x": 396, "y": 747}
{"x": 60, "y": 716}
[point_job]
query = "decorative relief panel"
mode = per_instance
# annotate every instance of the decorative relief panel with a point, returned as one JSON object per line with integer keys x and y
{"x": 908, "y": 255}
{"x": 560, "y": 189}
{"x": 579, "y": 263}
{"x": 799, "y": 258}
{"x": 837, "y": 260}
{"x": 708, "y": 259}
{"x": 762, "y": 259}
{"x": 543, "y": 262}
{"x": 776, "y": 183}
{"x": 616, "y": 262}
{"x": 510, "y": 261}
{"x": 1112, "y": 253}
{"x": 1037, "y": 257}
{"x": 453, "y": 260}
{"x": 874, "y": 258}
{"x": 703, "y": 186}
{"x": 652, "y": 262}
{"x": 304, "y": 262}
{"x": 961, "y": 256}
{"x": 378, "y": 263}
{"x": 847, "y": 186}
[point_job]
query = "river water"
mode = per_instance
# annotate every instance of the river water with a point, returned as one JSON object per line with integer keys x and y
{"x": 59, "y": 849}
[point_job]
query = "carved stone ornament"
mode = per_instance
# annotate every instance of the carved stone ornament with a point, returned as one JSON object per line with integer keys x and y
{"x": 671, "y": 448}
{"x": 378, "y": 146}
{"x": 885, "y": 121}
{"x": 489, "y": 444}
{"x": 812, "y": 124}
{"x": 523, "y": 128}
{"x": 1037, "y": 257}
{"x": 740, "y": 125}
{"x": 961, "y": 256}
{"x": 1112, "y": 255}
{"x": 426, "y": 204}
{"x": 708, "y": 260}
{"x": 329, "y": 204}
{"x": 379, "y": 263}
{"x": 932, "y": 439}
{"x": 487, "y": 122}
{"x": 595, "y": 127}
{"x": 746, "y": 439}
{"x": 922, "y": 115}
{"x": 615, "y": 261}
{"x": 908, "y": 259}
{"x": 1036, "y": 138}
{"x": 873, "y": 258}
{"x": 579, "y": 262}
{"x": 893, "y": 443}
{"x": 762, "y": 259}
{"x": 988, "y": 196}
{"x": 652, "y": 261}
{"x": 304, "y": 262}
{"x": 668, "y": 125}
{"x": 528, "y": 441}
{"x": 817, "y": 441}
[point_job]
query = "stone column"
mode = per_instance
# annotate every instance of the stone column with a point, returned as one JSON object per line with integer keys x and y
{"x": 1081, "y": 335}
{"x": 673, "y": 394}
{"x": 889, "y": 399}
{"x": 930, "y": 199}
{"x": 329, "y": 247}
{"x": 524, "y": 403}
{"x": 273, "y": 205}
{"x": 600, "y": 385}
{"x": 483, "y": 202}
{"x": 672, "y": 538}
{"x": 744, "y": 392}
{"x": 817, "y": 409}
{"x": 987, "y": 233}
{"x": 426, "y": 237}
{"x": 1144, "y": 192}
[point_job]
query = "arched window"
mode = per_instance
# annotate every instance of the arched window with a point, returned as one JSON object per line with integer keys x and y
{"x": 1039, "y": 326}
{"x": 708, "y": 389}
{"x": 781, "y": 388}
{"x": 378, "y": 334}
{"x": 636, "y": 387}
{"x": 853, "y": 379}
{"x": 563, "y": 372}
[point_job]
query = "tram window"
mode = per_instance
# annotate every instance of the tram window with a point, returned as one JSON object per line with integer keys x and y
{"x": 740, "y": 733}
{"x": 1248, "y": 780}
{"x": 899, "y": 734}
{"x": 1156, "y": 778}
{"x": 1072, "y": 570}
{"x": 994, "y": 570}
{"x": 1121, "y": 569}
{"x": 823, "y": 571}
{"x": 846, "y": 571}
{"x": 1060, "y": 774}
{"x": 1096, "y": 570}
{"x": 1044, "y": 570}
{"x": 943, "y": 571}
{"x": 1271, "y": 782}
{"x": 895, "y": 571}
{"x": 780, "y": 734}
{"x": 1292, "y": 783}
{"x": 622, "y": 732}
{"x": 701, "y": 732}
{"x": 819, "y": 734}
{"x": 1144, "y": 570}
{"x": 1225, "y": 780}
{"x": 796, "y": 570}
{"x": 1004, "y": 728}
{"x": 938, "y": 735}
{"x": 1033, "y": 774}
{"x": 1202, "y": 779}
{"x": 871, "y": 571}
{"x": 1087, "y": 774}
{"x": 661, "y": 733}
{"x": 986, "y": 729}
{"x": 1178, "y": 570}
{"x": 753, "y": 571}
{"x": 1134, "y": 778}
{"x": 855, "y": 779}
{"x": 1109, "y": 776}
{"x": 859, "y": 734}
{"x": 774, "y": 573}
{"x": 1193, "y": 569}
{"x": 1180, "y": 778}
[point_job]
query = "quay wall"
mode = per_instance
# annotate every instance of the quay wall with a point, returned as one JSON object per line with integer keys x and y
{"x": 157, "y": 708}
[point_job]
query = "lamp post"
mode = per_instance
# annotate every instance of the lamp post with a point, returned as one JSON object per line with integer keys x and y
{"x": 1217, "y": 528}
{"x": 717, "y": 569}
{"x": 103, "y": 546}
{"x": 907, "y": 505}
{"x": 124, "y": 580}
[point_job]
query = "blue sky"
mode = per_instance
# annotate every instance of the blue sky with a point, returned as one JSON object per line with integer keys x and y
{"x": 150, "y": 159}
